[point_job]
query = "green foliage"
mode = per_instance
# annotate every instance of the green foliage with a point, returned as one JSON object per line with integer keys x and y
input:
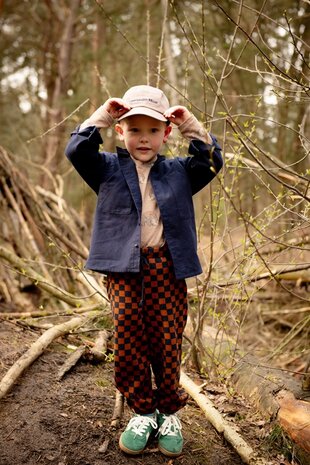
{"x": 104, "y": 322}
{"x": 277, "y": 440}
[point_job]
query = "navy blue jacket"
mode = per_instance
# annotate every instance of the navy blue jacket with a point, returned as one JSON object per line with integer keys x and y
{"x": 115, "y": 243}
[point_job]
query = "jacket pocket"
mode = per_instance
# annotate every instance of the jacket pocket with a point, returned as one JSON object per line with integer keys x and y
{"x": 114, "y": 196}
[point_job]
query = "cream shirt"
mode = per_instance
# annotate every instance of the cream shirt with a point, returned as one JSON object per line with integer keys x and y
{"x": 152, "y": 231}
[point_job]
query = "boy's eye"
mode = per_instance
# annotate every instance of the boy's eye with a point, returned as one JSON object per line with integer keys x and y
{"x": 155, "y": 129}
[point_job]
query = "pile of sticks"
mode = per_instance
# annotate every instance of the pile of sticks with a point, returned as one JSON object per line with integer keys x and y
{"x": 42, "y": 245}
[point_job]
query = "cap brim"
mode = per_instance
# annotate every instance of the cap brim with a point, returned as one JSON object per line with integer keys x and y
{"x": 144, "y": 111}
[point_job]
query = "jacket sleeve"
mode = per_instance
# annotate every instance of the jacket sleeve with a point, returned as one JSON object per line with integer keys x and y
{"x": 83, "y": 152}
{"x": 204, "y": 164}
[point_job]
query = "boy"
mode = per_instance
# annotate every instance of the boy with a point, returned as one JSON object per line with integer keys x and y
{"x": 144, "y": 239}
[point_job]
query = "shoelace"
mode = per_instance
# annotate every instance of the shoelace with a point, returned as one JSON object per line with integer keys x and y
{"x": 170, "y": 427}
{"x": 140, "y": 423}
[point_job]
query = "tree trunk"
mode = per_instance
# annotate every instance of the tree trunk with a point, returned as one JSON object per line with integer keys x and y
{"x": 60, "y": 89}
{"x": 169, "y": 63}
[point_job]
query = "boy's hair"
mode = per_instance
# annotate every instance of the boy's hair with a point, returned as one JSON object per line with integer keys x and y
{"x": 146, "y": 100}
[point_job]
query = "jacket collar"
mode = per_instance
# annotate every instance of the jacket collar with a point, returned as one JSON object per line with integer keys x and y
{"x": 122, "y": 152}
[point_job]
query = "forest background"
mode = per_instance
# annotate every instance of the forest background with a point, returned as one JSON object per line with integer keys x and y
{"x": 242, "y": 67}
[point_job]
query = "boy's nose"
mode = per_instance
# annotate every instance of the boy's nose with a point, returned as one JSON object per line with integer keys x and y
{"x": 143, "y": 137}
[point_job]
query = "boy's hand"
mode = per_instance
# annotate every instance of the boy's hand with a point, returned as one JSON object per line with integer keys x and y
{"x": 188, "y": 124}
{"x": 105, "y": 115}
{"x": 116, "y": 107}
{"x": 177, "y": 114}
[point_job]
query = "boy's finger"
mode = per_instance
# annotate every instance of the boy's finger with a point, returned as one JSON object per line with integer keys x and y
{"x": 173, "y": 113}
{"x": 121, "y": 106}
{"x": 169, "y": 114}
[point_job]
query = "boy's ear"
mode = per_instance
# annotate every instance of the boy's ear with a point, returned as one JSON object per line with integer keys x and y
{"x": 119, "y": 130}
{"x": 167, "y": 133}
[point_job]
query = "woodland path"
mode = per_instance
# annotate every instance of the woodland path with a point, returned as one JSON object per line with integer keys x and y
{"x": 49, "y": 422}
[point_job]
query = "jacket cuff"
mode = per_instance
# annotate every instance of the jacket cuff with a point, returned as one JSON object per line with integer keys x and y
{"x": 209, "y": 152}
{"x": 197, "y": 146}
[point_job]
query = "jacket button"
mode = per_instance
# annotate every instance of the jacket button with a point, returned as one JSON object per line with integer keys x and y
{"x": 136, "y": 246}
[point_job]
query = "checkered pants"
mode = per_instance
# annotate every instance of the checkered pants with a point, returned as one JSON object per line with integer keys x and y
{"x": 149, "y": 310}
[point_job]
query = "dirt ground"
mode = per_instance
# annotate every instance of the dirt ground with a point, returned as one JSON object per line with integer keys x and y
{"x": 48, "y": 422}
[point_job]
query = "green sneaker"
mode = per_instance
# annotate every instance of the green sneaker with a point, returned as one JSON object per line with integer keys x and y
{"x": 170, "y": 440}
{"x": 134, "y": 439}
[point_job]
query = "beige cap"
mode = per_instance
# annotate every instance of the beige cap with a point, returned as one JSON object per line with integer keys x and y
{"x": 146, "y": 100}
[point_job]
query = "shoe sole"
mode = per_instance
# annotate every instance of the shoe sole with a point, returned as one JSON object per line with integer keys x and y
{"x": 129, "y": 451}
{"x": 168, "y": 453}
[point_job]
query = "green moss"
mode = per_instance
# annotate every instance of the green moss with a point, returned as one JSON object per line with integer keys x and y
{"x": 103, "y": 383}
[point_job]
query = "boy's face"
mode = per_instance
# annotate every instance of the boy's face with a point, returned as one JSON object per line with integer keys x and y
{"x": 143, "y": 136}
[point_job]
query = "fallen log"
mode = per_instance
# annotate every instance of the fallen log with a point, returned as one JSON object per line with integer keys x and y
{"x": 266, "y": 387}
{"x": 71, "y": 361}
{"x": 118, "y": 409}
{"x": 99, "y": 350}
{"x": 294, "y": 416}
{"x": 282, "y": 171}
{"x": 220, "y": 424}
{"x": 278, "y": 396}
{"x": 35, "y": 351}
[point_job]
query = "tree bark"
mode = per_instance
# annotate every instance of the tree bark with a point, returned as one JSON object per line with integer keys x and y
{"x": 61, "y": 87}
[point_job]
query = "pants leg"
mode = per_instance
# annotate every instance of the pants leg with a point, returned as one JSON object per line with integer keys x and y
{"x": 131, "y": 349}
{"x": 149, "y": 311}
{"x": 165, "y": 303}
